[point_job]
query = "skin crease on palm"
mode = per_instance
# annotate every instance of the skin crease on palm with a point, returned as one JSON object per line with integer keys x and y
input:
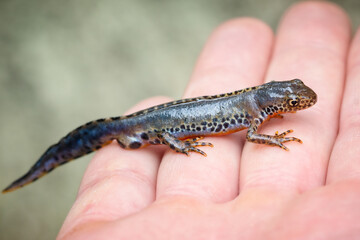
{"x": 244, "y": 190}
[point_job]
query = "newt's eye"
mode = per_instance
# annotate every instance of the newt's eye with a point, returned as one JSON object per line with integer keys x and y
{"x": 293, "y": 102}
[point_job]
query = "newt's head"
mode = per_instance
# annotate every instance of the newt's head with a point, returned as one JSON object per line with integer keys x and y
{"x": 286, "y": 96}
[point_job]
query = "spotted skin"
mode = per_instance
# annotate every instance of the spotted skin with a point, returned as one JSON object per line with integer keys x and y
{"x": 181, "y": 124}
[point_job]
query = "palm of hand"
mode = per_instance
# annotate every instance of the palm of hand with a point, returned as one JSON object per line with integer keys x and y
{"x": 245, "y": 191}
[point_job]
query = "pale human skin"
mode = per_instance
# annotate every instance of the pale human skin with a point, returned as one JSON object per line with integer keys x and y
{"x": 244, "y": 190}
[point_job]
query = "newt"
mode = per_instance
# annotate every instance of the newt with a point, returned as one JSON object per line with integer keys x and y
{"x": 180, "y": 124}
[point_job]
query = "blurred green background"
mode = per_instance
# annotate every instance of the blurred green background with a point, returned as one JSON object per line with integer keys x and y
{"x": 63, "y": 63}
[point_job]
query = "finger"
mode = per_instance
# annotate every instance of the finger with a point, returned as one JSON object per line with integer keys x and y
{"x": 235, "y": 56}
{"x": 117, "y": 182}
{"x": 344, "y": 161}
{"x": 311, "y": 45}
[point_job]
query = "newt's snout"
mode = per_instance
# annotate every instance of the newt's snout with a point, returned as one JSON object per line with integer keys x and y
{"x": 307, "y": 97}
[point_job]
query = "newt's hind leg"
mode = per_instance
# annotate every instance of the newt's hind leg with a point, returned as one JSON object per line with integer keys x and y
{"x": 186, "y": 146}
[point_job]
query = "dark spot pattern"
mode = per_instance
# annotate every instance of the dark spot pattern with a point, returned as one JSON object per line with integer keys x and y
{"x": 218, "y": 128}
{"x": 144, "y": 136}
{"x": 135, "y": 145}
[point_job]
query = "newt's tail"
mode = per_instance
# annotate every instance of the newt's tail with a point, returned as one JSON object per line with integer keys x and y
{"x": 77, "y": 143}
{"x": 45, "y": 164}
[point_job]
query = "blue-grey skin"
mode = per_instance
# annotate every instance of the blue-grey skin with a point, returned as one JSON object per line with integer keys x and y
{"x": 189, "y": 119}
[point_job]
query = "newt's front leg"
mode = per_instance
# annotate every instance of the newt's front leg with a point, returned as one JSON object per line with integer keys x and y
{"x": 183, "y": 146}
{"x": 275, "y": 140}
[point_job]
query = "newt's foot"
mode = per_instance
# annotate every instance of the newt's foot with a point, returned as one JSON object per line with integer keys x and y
{"x": 191, "y": 144}
{"x": 279, "y": 139}
{"x": 184, "y": 146}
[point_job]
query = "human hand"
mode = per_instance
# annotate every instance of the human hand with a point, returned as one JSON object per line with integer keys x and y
{"x": 244, "y": 190}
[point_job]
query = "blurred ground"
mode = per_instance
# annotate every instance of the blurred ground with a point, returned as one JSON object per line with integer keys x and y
{"x": 63, "y": 63}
